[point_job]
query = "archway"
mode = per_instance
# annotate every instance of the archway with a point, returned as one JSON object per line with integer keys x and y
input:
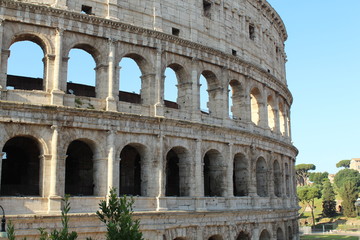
{"x": 130, "y": 79}
{"x": 214, "y": 174}
{"x": 170, "y": 87}
{"x": 81, "y": 78}
{"x": 235, "y": 99}
{"x": 240, "y": 175}
{"x": 264, "y": 235}
{"x": 261, "y": 177}
{"x": 215, "y": 237}
{"x": 20, "y": 172}
{"x": 277, "y": 179}
{"x": 26, "y": 65}
{"x": 279, "y": 234}
{"x": 271, "y": 113}
{"x": 243, "y": 236}
{"x": 255, "y": 97}
{"x": 177, "y": 172}
{"x": 79, "y": 169}
{"x": 130, "y": 172}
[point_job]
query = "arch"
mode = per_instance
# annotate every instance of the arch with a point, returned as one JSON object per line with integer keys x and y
{"x": 271, "y": 113}
{"x": 282, "y": 119}
{"x": 243, "y": 236}
{"x": 290, "y": 233}
{"x": 236, "y": 99}
{"x": 208, "y": 92}
{"x": 287, "y": 180}
{"x": 130, "y": 75}
{"x": 241, "y": 175}
{"x": 177, "y": 172}
{"x": 214, "y": 174}
{"x": 255, "y": 97}
{"x": 82, "y": 71}
{"x": 261, "y": 177}
{"x": 264, "y": 235}
{"x": 216, "y": 237}
{"x": 180, "y": 238}
{"x": 20, "y": 170}
{"x": 27, "y": 51}
{"x": 277, "y": 179}
{"x": 176, "y": 87}
{"x": 79, "y": 179}
{"x": 130, "y": 171}
{"x": 279, "y": 234}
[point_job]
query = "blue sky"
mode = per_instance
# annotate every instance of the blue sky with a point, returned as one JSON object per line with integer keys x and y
{"x": 323, "y": 73}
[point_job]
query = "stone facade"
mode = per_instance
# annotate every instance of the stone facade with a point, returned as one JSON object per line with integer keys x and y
{"x": 196, "y": 175}
{"x": 355, "y": 164}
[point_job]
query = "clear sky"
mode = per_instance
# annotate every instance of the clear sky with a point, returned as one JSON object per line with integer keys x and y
{"x": 323, "y": 74}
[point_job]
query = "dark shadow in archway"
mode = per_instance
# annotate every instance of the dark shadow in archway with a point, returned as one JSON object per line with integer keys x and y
{"x": 130, "y": 172}
{"x": 20, "y": 167}
{"x": 79, "y": 169}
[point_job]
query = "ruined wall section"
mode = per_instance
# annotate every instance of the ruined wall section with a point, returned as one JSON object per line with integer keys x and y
{"x": 222, "y": 25}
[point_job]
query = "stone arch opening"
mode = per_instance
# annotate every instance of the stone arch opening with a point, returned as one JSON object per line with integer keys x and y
{"x": 287, "y": 180}
{"x": 261, "y": 177}
{"x": 279, "y": 234}
{"x": 216, "y": 237}
{"x": 277, "y": 179}
{"x": 214, "y": 174}
{"x": 271, "y": 113}
{"x": 82, "y": 71}
{"x": 282, "y": 119}
{"x": 177, "y": 172}
{"x": 130, "y": 171}
{"x": 243, "y": 236}
{"x": 79, "y": 179}
{"x": 236, "y": 99}
{"x": 255, "y": 97}
{"x": 20, "y": 169}
{"x": 241, "y": 175}
{"x": 176, "y": 87}
{"x": 290, "y": 233}
{"x": 264, "y": 235}
{"x": 27, "y": 51}
{"x": 130, "y": 80}
{"x": 209, "y": 92}
{"x": 180, "y": 238}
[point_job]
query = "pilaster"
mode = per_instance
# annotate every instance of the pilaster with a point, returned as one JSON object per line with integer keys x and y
{"x": 112, "y": 89}
{"x": 57, "y": 91}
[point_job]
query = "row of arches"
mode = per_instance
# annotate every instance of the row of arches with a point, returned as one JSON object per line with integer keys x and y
{"x": 86, "y": 68}
{"x": 21, "y": 172}
{"x": 264, "y": 235}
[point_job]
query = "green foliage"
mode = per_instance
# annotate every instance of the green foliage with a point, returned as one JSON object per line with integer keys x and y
{"x": 318, "y": 177}
{"x": 307, "y": 195}
{"x": 349, "y": 194}
{"x": 343, "y": 163}
{"x": 328, "y": 197}
{"x": 117, "y": 215}
{"x": 302, "y": 173}
{"x": 10, "y": 231}
{"x": 347, "y": 175}
{"x": 62, "y": 234}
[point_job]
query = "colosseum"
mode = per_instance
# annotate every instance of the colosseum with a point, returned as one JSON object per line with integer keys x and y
{"x": 223, "y": 171}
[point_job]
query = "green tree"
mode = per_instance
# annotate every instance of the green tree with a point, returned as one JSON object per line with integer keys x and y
{"x": 343, "y": 163}
{"x": 307, "y": 195}
{"x": 349, "y": 194}
{"x": 302, "y": 173}
{"x": 117, "y": 216}
{"x": 328, "y": 199}
{"x": 347, "y": 175}
{"x": 63, "y": 234}
{"x": 318, "y": 177}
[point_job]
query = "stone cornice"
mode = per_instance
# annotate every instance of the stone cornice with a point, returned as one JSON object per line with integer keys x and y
{"x": 58, "y": 114}
{"x": 91, "y": 19}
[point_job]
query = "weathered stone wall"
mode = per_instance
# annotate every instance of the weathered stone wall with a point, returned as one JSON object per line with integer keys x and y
{"x": 238, "y": 44}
